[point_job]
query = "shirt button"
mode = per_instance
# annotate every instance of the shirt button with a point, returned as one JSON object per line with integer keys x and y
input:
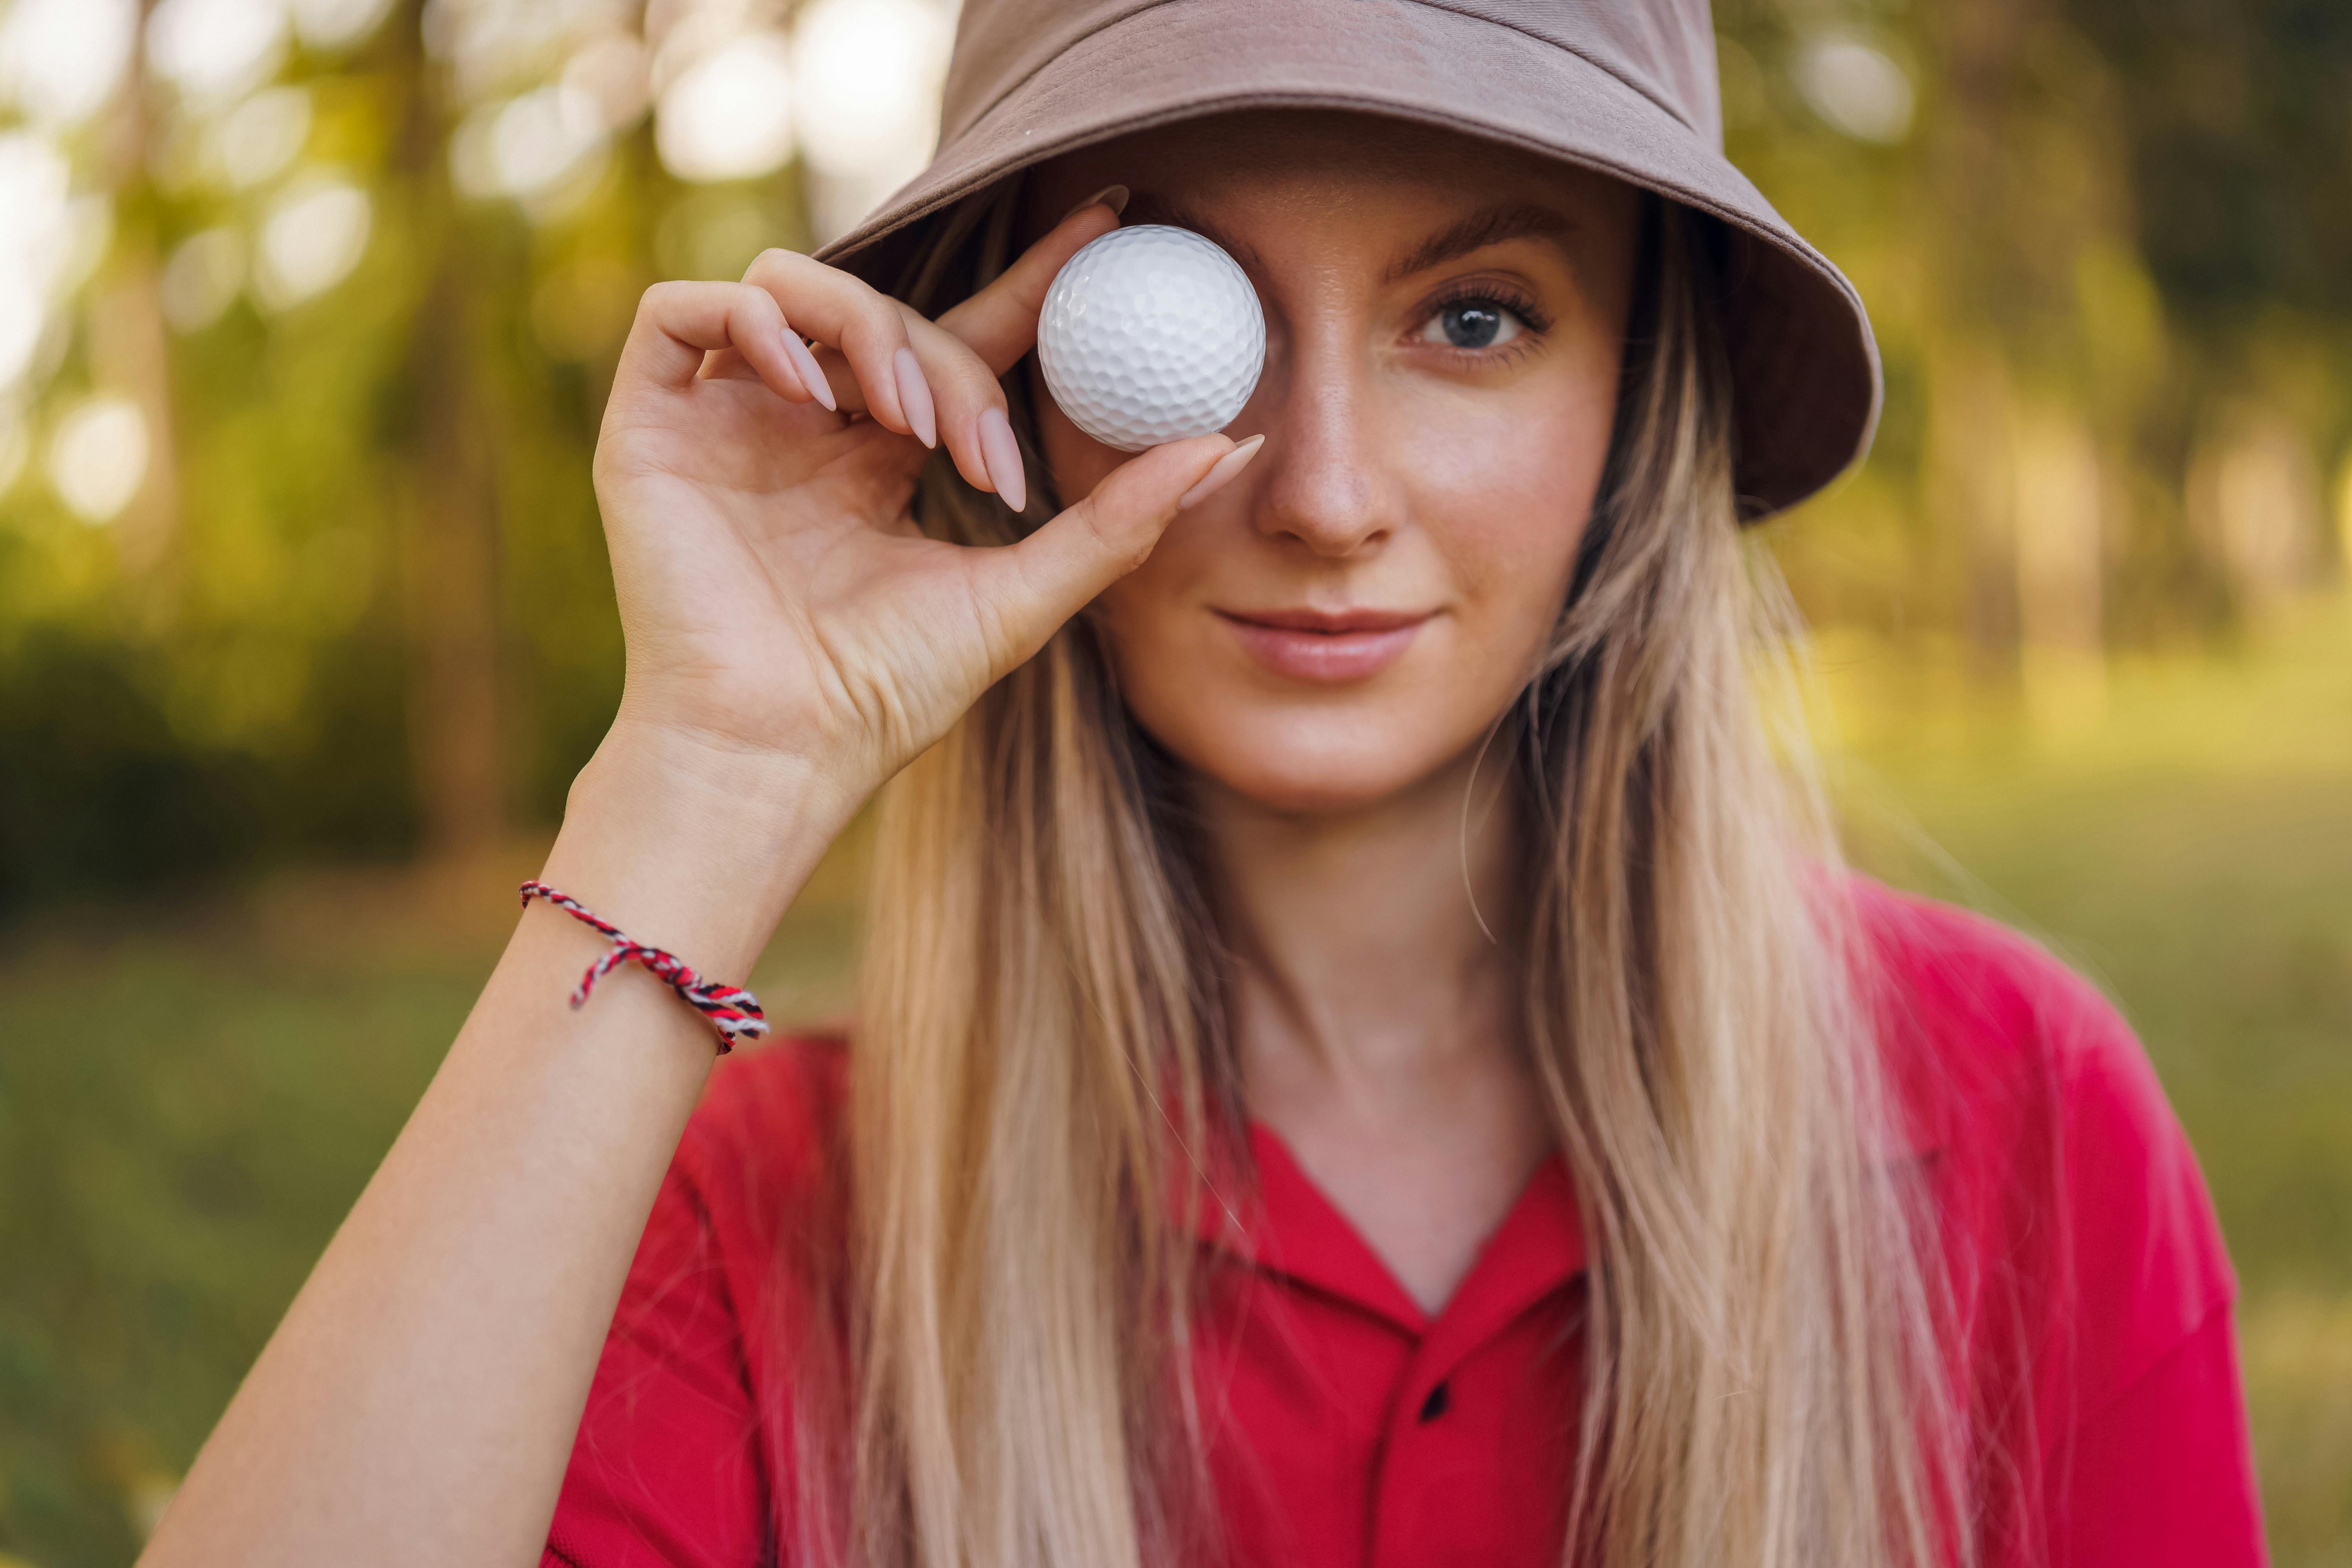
{"x": 1435, "y": 1405}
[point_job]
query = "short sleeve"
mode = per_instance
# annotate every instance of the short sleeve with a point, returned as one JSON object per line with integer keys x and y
{"x": 665, "y": 1471}
{"x": 2091, "y": 1291}
{"x": 2158, "y": 1471}
{"x": 2150, "y": 1265}
{"x": 685, "y": 1445}
{"x": 2163, "y": 1475}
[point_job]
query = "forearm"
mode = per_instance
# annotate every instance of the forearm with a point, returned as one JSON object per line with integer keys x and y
{"x": 417, "y": 1403}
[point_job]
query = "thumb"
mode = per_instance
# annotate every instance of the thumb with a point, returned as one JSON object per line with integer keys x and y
{"x": 1037, "y": 584}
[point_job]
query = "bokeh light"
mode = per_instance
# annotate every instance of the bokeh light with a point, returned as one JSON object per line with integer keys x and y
{"x": 308, "y": 317}
{"x": 315, "y": 234}
{"x": 34, "y": 181}
{"x": 215, "y": 50}
{"x": 1855, "y": 85}
{"x": 51, "y": 238}
{"x": 613, "y": 68}
{"x": 203, "y": 278}
{"x": 60, "y": 60}
{"x": 255, "y": 141}
{"x": 527, "y": 145}
{"x": 97, "y": 457}
{"x": 728, "y": 116}
{"x": 327, "y": 26}
{"x": 867, "y": 83}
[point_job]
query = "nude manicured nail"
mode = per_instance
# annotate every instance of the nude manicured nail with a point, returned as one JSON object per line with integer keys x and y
{"x": 915, "y": 396}
{"x": 805, "y": 362}
{"x": 1111, "y": 196}
{"x": 793, "y": 377}
{"x": 1232, "y": 463}
{"x": 1002, "y": 453}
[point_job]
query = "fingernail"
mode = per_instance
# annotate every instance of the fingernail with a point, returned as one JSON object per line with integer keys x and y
{"x": 915, "y": 397}
{"x": 1002, "y": 453}
{"x": 791, "y": 365}
{"x": 805, "y": 362}
{"x": 1232, "y": 463}
{"x": 1111, "y": 196}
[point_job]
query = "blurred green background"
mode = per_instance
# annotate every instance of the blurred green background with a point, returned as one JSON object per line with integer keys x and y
{"x": 307, "y": 312}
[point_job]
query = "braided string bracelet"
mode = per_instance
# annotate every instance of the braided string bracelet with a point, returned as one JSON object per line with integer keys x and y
{"x": 732, "y": 1011}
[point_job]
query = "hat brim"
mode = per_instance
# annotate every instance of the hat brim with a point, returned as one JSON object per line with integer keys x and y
{"x": 1805, "y": 371}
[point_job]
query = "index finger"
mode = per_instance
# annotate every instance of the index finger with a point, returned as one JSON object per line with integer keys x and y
{"x": 999, "y": 322}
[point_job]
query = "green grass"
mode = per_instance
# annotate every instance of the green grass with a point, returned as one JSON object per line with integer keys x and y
{"x": 2186, "y": 840}
{"x": 177, "y": 1140}
{"x": 189, "y": 1102}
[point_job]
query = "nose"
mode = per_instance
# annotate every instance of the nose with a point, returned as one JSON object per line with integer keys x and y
{"x": 1326, "y": 488}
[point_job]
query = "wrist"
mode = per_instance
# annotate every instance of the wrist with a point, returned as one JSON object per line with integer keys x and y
{"x": 692, "y": 847}
{"x": 662, "y": 763}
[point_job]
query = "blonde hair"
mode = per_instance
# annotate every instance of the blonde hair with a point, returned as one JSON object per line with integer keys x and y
{"x": 1045, "y": 1053}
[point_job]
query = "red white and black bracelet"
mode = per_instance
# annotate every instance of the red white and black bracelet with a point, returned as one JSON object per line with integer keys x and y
{"x": 732, "y": 1011}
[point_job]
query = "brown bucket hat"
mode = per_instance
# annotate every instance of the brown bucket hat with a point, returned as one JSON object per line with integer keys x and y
{"x": 1625, "y": 86}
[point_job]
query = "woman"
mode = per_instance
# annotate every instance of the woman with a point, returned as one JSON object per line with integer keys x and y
{"x": 1362, "y": 1057}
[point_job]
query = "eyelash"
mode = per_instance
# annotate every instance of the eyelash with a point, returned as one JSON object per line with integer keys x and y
{"x": 1517, "y": 302}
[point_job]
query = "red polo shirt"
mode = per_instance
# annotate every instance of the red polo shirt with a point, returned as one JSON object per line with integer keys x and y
{"x": 2091, "y": 1331}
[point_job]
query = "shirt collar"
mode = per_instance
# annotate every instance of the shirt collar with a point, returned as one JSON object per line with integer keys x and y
{"x": 1287, "y": 1227}
{"x": 1283, "y": 1225}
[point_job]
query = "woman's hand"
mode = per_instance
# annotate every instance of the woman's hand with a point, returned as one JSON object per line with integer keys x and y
{"x": 776, "y": 594}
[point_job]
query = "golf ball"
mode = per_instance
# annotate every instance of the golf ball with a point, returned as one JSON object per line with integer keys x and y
{"x": 1151, "y": 334}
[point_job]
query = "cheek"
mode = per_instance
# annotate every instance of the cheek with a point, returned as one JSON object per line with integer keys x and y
{"x": 1507, "y": 499}
{"x": 1490, "y": 494}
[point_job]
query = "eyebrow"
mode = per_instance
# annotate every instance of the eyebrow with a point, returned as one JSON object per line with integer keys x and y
{"x": 1495, "y": 225}
{"x": 1489, "y": 225}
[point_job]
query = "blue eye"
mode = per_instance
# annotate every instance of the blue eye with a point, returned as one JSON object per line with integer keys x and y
{"x": 1473, "y": 323}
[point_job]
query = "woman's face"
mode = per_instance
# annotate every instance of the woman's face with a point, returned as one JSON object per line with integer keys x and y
{"x": 1444, "y": 324}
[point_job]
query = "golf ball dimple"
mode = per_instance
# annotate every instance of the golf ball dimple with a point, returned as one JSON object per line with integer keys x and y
{"x": 1151, "y": 334}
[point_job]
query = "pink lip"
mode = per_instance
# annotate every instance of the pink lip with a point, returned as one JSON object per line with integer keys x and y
{"x": 1325, "y": 644}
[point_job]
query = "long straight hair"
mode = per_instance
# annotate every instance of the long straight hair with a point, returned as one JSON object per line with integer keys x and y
{"x": 1045, "y": 1054}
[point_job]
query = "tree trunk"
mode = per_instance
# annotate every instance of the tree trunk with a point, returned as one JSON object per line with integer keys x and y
{"x": 449, "y": 545}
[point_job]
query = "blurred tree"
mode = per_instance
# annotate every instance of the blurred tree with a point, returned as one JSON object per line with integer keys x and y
{"x": 450, "y": 534}
{"x": 2238, "y": 122}
{"x": 308, "y": 310}
{"x": 355, "y": 280}
{"x": 2108, "y": 251}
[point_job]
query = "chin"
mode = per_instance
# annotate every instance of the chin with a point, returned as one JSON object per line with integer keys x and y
{"x": 1304, "y": 763}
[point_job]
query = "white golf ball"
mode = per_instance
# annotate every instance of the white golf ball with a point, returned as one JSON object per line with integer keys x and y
{"x": 1151, "y": 334}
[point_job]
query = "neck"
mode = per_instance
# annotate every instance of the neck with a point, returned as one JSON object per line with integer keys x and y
{"x": 1362, "y": 935}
